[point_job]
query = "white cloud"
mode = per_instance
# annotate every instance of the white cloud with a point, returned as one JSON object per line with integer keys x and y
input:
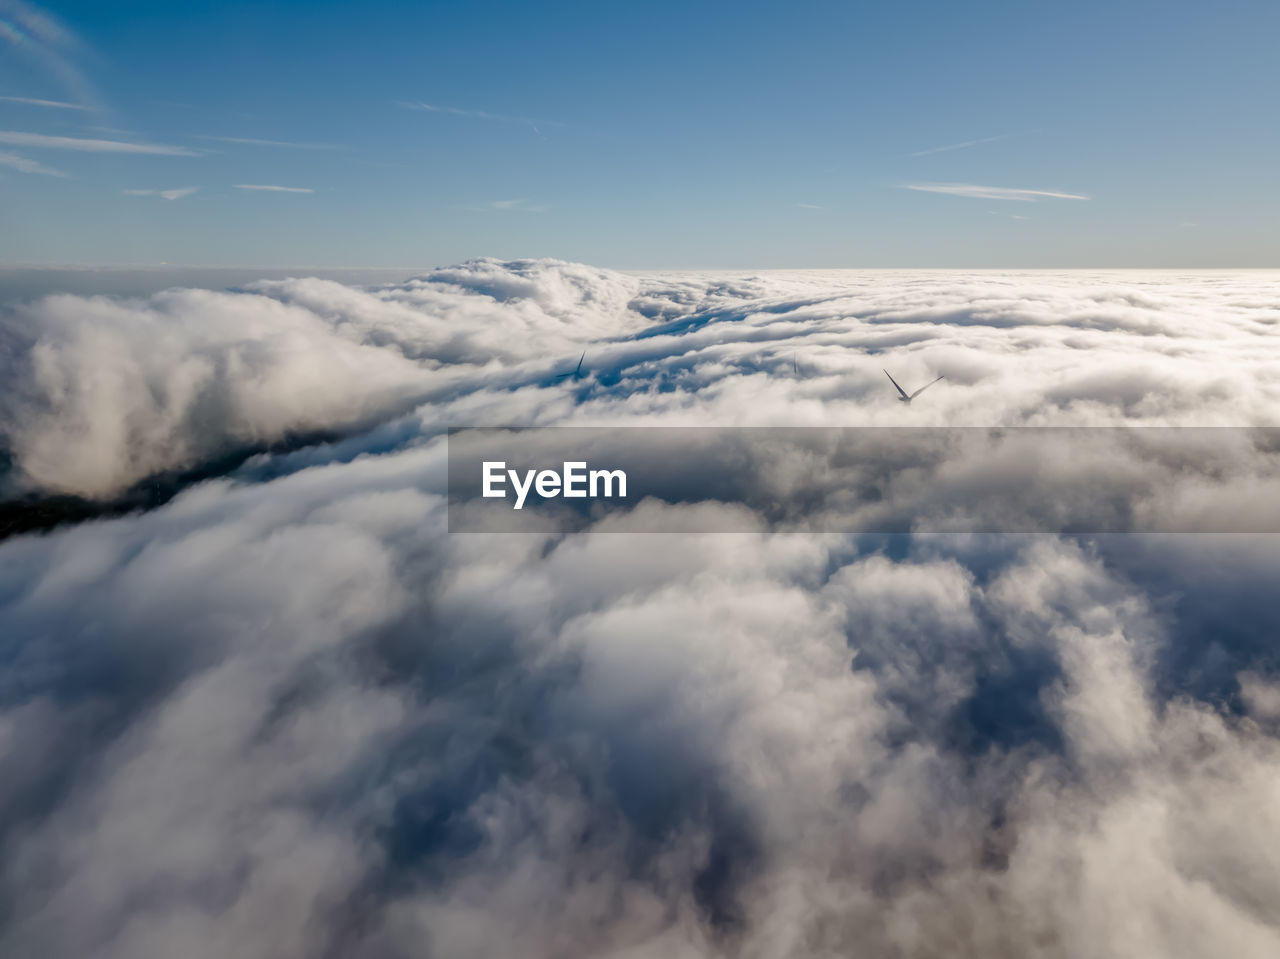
{"x": 54, "y": 104}
{"x": 250, "y": 141}
{"x": 24, "y": 165}
{"x": 475, "y": 114}
{"x": 41, "y": 141}
{"x": 962, "y": 145}
{"x": 990, "y": 192}
{"x": 114, "y": 391}
{"x": 36, "y": 35}
{"x": 175, "y": 194}
{"x": 290, "y": 714}
{"x": 525, "y": 205}
{"x": 274, "y": 189}
{"x": 810, "y": 206}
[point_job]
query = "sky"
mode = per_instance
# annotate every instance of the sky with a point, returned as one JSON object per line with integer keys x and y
{"x": 640, "y": 136}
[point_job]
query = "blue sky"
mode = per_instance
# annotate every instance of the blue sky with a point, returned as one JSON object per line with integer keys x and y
{"x": 641, "y": 135}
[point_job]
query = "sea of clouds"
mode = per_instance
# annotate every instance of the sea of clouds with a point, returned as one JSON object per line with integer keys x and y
{"x": 289, "y": 715}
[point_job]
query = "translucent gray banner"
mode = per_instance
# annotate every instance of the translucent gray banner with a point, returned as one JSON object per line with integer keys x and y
{"x": 865, "y": 479}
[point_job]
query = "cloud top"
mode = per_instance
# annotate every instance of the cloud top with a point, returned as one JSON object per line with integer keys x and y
{"x": 290, "y": 714}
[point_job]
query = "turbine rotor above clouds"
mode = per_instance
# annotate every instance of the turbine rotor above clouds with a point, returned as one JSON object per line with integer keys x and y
{"x": 903, "y": 395}
{"x": 576, "y": 373}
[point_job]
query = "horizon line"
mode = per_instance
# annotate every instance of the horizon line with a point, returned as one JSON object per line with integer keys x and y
{"x": 20, "y": 265}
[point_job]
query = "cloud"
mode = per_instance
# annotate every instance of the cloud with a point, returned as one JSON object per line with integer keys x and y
{"x": 962, "y": 145}
{"x": 274, "y": 189}
{"x": 23, "y": 165}
{"x": 110, "y": 392}
{"x": 485, "y": 340}
{"x": 525, "y": 205}
{"x": 54, "y": 104}
{"x": 39, "y": 37}
{"x": 990, "y": 192}
{"x": 41, "y": 141}
{"x": 475, "y": 114}
{"x": 810, "y": 206}
{"x": 249, "y": 141}
{"x": 40, "y": 25}
{"x": 291, "y": 714}
{"x": 175, "y": 194}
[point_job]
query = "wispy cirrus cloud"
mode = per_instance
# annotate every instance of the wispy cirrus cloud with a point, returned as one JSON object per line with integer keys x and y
{"x": 40, "y": 38}
{"x": 35, "y": 102}
{"x": 44, "y": 142}
{"x": 255, "y": 142}
{"x": 962, "y": 145}
{"x": 24, "y": 165}
{"x": 477, "y": 114}
{"x": 175, "y": 194}
{"x": 976, "y": 192}
{"x": 272, "y": 188}
{"x": 524, "y": 204}
{"x": 810, "y": 206}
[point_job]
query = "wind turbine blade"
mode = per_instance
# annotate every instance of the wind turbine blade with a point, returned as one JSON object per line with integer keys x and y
{"x": 923, "y": 388}
{"x": 576, "y": 371}
{"x": 896, "y": 386}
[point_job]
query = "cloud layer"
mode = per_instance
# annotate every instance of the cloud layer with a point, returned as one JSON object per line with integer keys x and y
{"x": 103, "y": 392}
{"x": 290, "y": 715}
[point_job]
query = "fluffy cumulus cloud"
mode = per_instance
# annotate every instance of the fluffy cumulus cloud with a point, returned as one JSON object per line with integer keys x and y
{"x": 101, "y": 393}
{"x": 289, "y": 714}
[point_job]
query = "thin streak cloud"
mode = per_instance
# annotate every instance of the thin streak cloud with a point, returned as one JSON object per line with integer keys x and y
{"x": 253, "y": 141}
{"x": 271, "y": 188}
{"x": 41, "y": 141}
{"x": 962, "y": 145}
{"x": 991, "y": 192}
{"x": 475, "y": 114}
{"x": 24, "y": 165}
{"x": 523, "y": 204}
{"x": 175, "y": 194}
{"x": 34, "y": 102}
